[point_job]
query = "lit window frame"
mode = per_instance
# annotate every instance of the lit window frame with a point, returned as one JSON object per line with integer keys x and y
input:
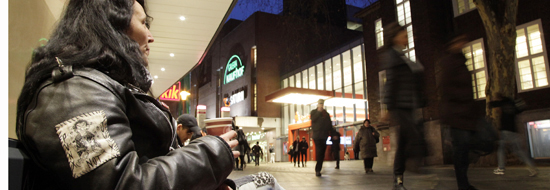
{"x": 531, "y": 56}
{"x": 379, "y": 30}
{"x": 405, "y": 6}
{"x": 467, "y": 7}
{"x": 475, "y": 70}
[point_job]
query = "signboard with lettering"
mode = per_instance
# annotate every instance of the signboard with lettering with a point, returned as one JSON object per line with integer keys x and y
{"x": 172, "y": 94}
{"x": 234, "y": 69}
{"x": 236, "y": 96}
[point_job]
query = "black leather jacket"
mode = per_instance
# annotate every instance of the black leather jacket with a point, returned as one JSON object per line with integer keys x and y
{"x": 91, "y": 132}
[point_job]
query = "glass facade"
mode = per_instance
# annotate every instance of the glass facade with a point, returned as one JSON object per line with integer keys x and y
{"x": 345, "y": 74}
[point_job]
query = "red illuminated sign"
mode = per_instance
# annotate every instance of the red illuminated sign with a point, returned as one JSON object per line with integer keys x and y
{"x": 172, "y": 94}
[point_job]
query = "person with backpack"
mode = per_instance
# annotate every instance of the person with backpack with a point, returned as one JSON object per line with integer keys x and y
{"x": 257, "y": 150}
{"x": 509, "y": 134}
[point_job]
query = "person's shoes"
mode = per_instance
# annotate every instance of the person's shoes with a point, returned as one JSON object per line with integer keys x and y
{"x": 498, "y": 171}
{"x": 398, "y": 183}
{"x": 337, "y": 167}
{"x": 294, "y": 164}
{"x": 318, "y": 174}
{"x": 533, "y": 172}
{"x": 368, "y": 170}
{"x": 303, "y": 165}
{"x": 469, "y": 188}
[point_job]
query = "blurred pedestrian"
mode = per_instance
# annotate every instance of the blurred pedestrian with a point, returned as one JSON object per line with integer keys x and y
{"x": 403, "y": 95}
{"x": 366, "y": 138}
{"x": 457, "y": 106}
{"x": 272, "y": 154}
{"x": 296, "y": 150}
{"x": 321, "y": 125}
{"x": 257, "y": 150}
{"x": 291, "y": 154}
{"x": 243, "y": 147}
{"x": 509, "y": 135}
{"x": 335, "y": 148}
{"x": 303, "y": 146}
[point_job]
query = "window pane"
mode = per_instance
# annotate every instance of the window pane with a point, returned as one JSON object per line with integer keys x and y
{"x": 298, "y": 77}
{"x": 401, "y": 15}
{"x": 461, "y": 6}
{"x": 291, "y": 81}
{"x": 481, "y": 82}
{"x": 410, "y": 37}
{"x": 286, "y": 116}
{"x": 521, "y": 44}
{"x": 305, "y": 79}
{"x": 539, "y": 69}
{"x": 358, "y": 64}
{"x": 398, "y": 1}
{"x": 349, "y": 114}
{"x": 320, "y": 76}
{"x": 472, "y": 4}
{"x": 292, "y": 114}
{"x": 535, "y": 42}
{"x": 359, "y": 91}
{"x": 478, "y": 56}
{"x": 468, "y": 54}
{"x": 328, "y": 74}
{"x": 312, "y": 78}
{"x": 407, "y": 12}
{"x": 412, "y": 55}
{"x": 339, "y": 115}
{"x": 379, "y": 33}
{"x": 525, "y": 76}
{"x": 285, "y": 83}
{"x": 346, "y": 56}
{"x": 336, "y": 74}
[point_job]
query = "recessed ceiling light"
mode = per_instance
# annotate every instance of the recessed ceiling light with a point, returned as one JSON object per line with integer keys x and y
{"x": 182, "y": 18}
{"x": 171, "y": 54}
{"x": 162, "y": 69}
{"x": 156, "y": 77}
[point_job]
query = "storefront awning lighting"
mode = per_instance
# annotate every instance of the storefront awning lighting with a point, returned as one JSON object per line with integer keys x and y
{"x": 348, "y": 102}
{"x": 293, "y": 95}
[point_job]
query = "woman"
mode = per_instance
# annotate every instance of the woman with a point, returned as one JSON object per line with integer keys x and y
{"x": 366, "y": 140}
{"x": 403, "y": 95}
{"x": 94, "y": 69}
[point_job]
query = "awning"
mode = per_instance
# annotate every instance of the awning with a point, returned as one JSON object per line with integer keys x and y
{"x": 292, "y": 95}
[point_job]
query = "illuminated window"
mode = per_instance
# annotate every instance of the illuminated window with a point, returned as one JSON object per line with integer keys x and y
{"x": 358, "y": 72}
{"x": 381, "y": 82}
{"x": 379, "y": 33}
{"x": 305, "y": 79}
{"x": 475, "y": 55}
{"x": 255, "y": 98}
{"x": 405, "y": 20}
{"x": 328, "y": 74}
{"x": 347, "y": 70}
{"x": 285, "y": 83}
{"x": 291, "y": 81}
{"x": 312, "y": 78}
{"x": 298, "y": 80}
{"x": 254, "y": 55}
{"x": 531, "y": 57}
{"x": 320, "y": 76}
{"x": 463, "y": 6}
{"x": 336, "y": 73}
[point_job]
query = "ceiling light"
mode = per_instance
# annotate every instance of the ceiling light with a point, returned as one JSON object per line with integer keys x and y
{"x": 171, "y": 54}
{"x": 182, "y": 18}
{"x": 162, "y": 69}
{"x": 156, "y": 77}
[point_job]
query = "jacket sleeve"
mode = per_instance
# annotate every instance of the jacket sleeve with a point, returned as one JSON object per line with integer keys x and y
{"x": 204, "y": 164}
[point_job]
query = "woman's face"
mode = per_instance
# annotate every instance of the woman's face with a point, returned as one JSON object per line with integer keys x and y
{"x": 138, "y": 30}
{"x": 401, "y": 38}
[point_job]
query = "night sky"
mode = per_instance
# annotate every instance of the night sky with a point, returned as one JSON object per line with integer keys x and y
{"x": 245, "y": 8}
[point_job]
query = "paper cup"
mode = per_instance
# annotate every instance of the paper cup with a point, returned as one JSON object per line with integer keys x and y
{"x": 218, "y": 130}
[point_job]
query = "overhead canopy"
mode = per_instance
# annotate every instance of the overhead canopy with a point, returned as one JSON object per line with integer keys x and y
{"x": 303, "y": 96}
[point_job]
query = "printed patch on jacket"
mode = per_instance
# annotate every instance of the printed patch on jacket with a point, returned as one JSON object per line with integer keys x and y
{"x": 86, "y": 142}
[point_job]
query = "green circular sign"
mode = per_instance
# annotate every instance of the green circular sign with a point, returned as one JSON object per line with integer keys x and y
{"x": 234, "y": 69}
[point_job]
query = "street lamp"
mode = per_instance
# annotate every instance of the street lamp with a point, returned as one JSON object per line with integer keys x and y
{"x": 184, "y": 94}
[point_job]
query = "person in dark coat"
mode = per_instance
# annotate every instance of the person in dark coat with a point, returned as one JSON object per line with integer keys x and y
{"x": 321, "y": 126}
{"x": 509, "y": 135}
{"x": 366, "y": 139}
{"x": 335, "y": 149}
{"x": 295, "y": 145}
{"x": 302, "y": 147}
{"x": 243, "y": 147}
{"x": 403, "y": 95}
{"x": 457, "y": 106}
{"x": 257, "y": 151}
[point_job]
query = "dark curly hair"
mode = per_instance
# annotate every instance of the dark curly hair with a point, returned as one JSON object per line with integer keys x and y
{"x": 91, "y": 33}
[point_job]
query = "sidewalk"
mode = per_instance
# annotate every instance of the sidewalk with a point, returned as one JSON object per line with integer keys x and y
{"x": 351, "y": 175}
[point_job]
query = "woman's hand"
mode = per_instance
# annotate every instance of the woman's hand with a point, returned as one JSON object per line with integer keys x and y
{"x": 232, "y": 143}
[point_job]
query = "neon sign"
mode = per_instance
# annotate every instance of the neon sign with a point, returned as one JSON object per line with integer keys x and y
{"x": 234, "y": 69}
{"x": 172, "y": 94}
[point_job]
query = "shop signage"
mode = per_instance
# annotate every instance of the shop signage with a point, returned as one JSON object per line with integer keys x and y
{"x": 236, "y": 96}
{"x": 234, "y": 69}
{"x": 172, "y": 94}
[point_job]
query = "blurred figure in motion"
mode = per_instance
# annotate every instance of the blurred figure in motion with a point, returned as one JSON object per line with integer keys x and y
{"x": 403, "y": 95}
{"x": 321, "y": 125}
{"x": 296, "y": 151}
{"x": 457, "y": 106}
{"x": 509, "y": 134}
{"x": 303, "y": 152}
{"x": 335, "y": 149}
{"x": 257, "y": 150}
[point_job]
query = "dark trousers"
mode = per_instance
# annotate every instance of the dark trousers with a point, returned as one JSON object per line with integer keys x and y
{"x": 461, "y": 149}
{"x": 368, "y": 162}
{"x": 410, "y": 143}
{"x": 296, "y": 155}
{"x": 257, "y": 159}
{"x": 336, "y": 156}
{"x": 303, "y": 157}
{"x": 240, "y": 158}
{"x": 320, "y": 148}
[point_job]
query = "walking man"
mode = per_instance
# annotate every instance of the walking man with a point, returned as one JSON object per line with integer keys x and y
{"x": 303, "y": 151}
{"x": 257, "y": 150}
{"x": 321, "y": 125}
{"x": 272, "y": 154}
